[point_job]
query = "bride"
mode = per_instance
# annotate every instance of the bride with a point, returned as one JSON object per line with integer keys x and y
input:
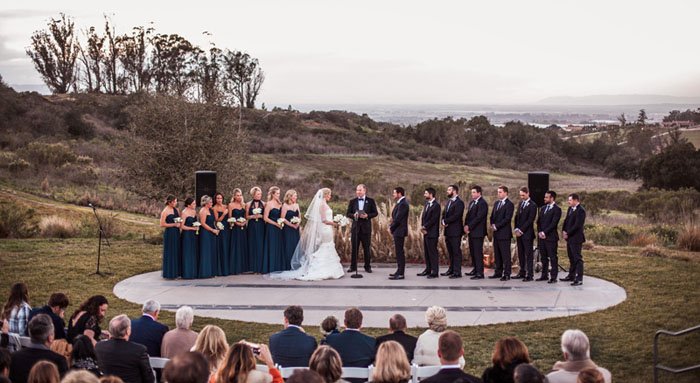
{"x": 315, "y": 257}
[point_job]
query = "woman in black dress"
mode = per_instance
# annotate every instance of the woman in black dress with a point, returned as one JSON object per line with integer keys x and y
{"x": 87, "y": 318}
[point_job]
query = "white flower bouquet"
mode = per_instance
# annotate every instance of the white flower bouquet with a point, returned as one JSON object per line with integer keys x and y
{"x": 257, "y": 211}
{"x": 177, "y": 219}
{"x": 280, "y": 222}
{"x": 341, "y": 220}
{"x": 231, "y": 221}
{"x": 220, "y": 226}
{"x": 241, "y": 221}
{"x": 196, "y": 225}
{"x": 295, "y": 220}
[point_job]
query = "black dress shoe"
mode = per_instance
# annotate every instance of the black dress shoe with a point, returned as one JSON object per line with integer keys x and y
{"x": 542, "y": 279}
{"x": 477, "y": 277}
{"x": 351, "y": 270}
{"x": 552, "y": 281}
{"x": 528, "y": 279}
{"x": 567, "y": 279}
{"x": 455, "y": 276}
{"x": 519, "y": 276}
{"x": 473, "y": 272}
{"x": 446, "y": 273}
{"x": 494, "y": 276}
{"x": 577, "y": 283}
{"x": 423, "y": 273}
{"x": 432, "y": 276}
{"x": 396, "y": 277}
{"x": 368, "y": 270}
{"x": 505, "y": 278}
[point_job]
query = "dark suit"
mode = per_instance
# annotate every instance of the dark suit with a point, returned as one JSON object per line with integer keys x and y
{"x": 430, "y": 221}
{"x": 547, "y": 222}
{"x": 22, "y": 361}
{"x": 361, "y": 229}
{"x": 451, "y": 375}
{"x": 573, "y": 226}
{"x": 501, "y": 217}
{"x": 452, "y": 218}
{"x": 525, "y": 221}
{"x": 477, "y": 211}
{"x": 149, "y": 333}
{"x": 127, "y": 360}
{"x": 292, "y": 347}
{"x": 408, "y": 342}
{"x": 399, "y": 230}
{"x": 59, "y": 326}
{"x": 355, "y": 348}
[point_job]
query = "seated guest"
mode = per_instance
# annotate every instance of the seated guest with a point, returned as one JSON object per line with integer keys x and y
{"x": 355, "y": 348}
{"x": 180, "y": 339}
{"x": 305, "y": 376}
{"x": 239, "y": 365}
{"x": 87, "y": 318}
{"x": 292, "y": 347}
{"x": 44, "y": 372}
{"x": 81, "y": 376}
{"x": 56, "y": 310}
{"x": 111, "y": 379}
{"x": 147, "y": 331}
{"x": 16, "y": 310}
{"x": 391, "y": 364}
{"x": 329, "y": 326}
{"x": 63, "y": 348}
{"x": 84, "y": 357}
{"x": 527, "y": 373}
{"x": 326, "y": 362}
{"x": 590, "y": 375}
{"x": 576, "y": 349}
{"x": 187, "y": 367}
{"x": 41, "y": 333}
{"x": 450, "y": 351}
{"x": 211, "y": 342}
{"x": 118, "y": 356}
{"x": 5, "y": 359}
{"x": 397, "y": 326}
{"x": 508, "y": 353}
{"x": 425, "y": 353}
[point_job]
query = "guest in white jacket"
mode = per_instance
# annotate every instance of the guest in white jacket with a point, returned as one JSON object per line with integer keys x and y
{"x": 426, "y": 350}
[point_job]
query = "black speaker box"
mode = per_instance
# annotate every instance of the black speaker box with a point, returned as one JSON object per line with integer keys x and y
{"x": 538, "y": 183}
{"x": 205, "y": 184}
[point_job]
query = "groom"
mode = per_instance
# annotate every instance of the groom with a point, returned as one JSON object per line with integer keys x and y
{"x": 361, "y": 210}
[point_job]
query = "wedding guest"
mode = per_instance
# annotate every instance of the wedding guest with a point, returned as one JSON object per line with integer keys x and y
{"x": 87, "y": 318}
{"x": 208, "y": 266}
{"x": 56, "y": 310}
{"x": 292, "y": 347}
{"x": 305, "y": 376}
{"x": 5, "y": 360}
{"x": 450, "y": 352}
{"x": 508, "y": 353}
{"x": 146, "y": 330}
{"x": 397, "y": 326}
{"x": 527, "y": 373}
{"x": 211, "y": 342}
{"x": 290, "y": 231}
{"x": 238, "y": 250}
{"x": 426, "y": 352}
{"x": 272, "y": 248}
{"x": 187, "y": 367}
{"x": 83, "y": 356}
{"x": 188, "y": 233}
{"x": 41, "y": 333}
{"x": 355, "y": 348}
{"x": 169, "y": 219}
{"x": 223, "y": 239}
{"x": 327, "y": 363}
{"x": 63, "y": 348}
{"x": 118, "y": 356}
{"x": 16, "y": 310}
{"x": 239, "y": 366}
{"x": 577, "y": 357}
{"x": 391, "y": 364}
{"x": 44, "y": 372}
{"x": 590, "y": 375}
{"x": 329, "y": 326}
{"x": 111, "y": 379}
{"x": 256, "y": 230}
{"x": 81, "y": 376}
{"x": 180, "y": 339}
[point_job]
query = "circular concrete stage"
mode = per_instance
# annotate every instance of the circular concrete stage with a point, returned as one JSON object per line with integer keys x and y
{"x": 468, "y": 302}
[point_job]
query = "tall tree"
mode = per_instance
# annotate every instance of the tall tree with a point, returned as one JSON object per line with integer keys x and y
{"x": 173, "y": 64}
{"x": 134, "y": 59}
{"x": 622, "y": 119}
{"x": 642, "y": 118}
{"x": 54, "y": 53}
{"x": 208, "y": 75}
{"x": 114, "y": 78}
{"x": 92, "y": 56}
{"x": 254, "y": 85}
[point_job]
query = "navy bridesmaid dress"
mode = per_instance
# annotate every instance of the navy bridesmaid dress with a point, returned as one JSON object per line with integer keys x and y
{"x": 223, "y": 244}
{"x": 256, "y": 239}
{"x": 290, "y": 237}
{"x": 273, "y": 254}
{"x": 238, "y": 252}
{"x": 207, "y": 249}
{"x": 189, "y": 250}
{"x": 171, "y": 248}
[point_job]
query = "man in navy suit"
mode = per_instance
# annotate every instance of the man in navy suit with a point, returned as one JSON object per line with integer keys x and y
{"x": 452, "y": 221}
{"x": 399, "y": 230}
{"x": 475, "y": 229}
{"x": 430, "y": 227}
{"x": 292, "y": 347}
{"x": 525, "y": 235}
{"x": 397, "y": 325}
{"x": 355, "y": 348}
{"x": 548, "y": 235}
{"x": 147, "y": 331}
{"x": 501, "y": 217}
{"x": 574, "y": 237}
{"x": 450, "y": 349}
{"x": 361, "y": 210}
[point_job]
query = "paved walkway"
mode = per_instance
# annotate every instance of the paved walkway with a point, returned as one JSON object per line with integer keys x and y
{"x": 469, "y": 302}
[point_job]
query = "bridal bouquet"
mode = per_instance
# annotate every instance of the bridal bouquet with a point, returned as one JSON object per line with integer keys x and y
{"x": 257, "y": 211}
{"x": 241, "y": 221}
{"x": 196, "y": 225}
{"x": 177, "y": 219}
{"x": 280, "y": 222}
{"x": 220, "y": 226}
{"x": 341, "y": 220}
{"x": 231, "y": 221}
{"x": 295, "y": 220}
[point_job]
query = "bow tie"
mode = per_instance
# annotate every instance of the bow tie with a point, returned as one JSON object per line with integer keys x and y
{"x": 361, "y": 199}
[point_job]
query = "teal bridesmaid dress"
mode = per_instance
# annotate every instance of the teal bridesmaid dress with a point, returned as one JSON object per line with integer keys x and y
{"x": 273, "y": 253}
{"x": 223, "y": 244}
{"x": 256, "y": 239}
{"x": 171, "y": 248}
{"x": 238, "y": 252}
{"x": 290, "y": 238}
{"x": 207, "y": 249}
{"x": 189, "y": 250}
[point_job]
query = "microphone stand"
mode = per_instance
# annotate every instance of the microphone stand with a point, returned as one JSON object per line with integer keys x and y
{"x": 102, "y": 235}
{"x": 356, "y": 229}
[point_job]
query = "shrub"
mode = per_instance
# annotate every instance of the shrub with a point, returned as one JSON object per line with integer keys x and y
{"x": 57, "y": 227}
{"x": 56, "y": 155}
{"x": 609, "y": 235}
{"x": 77, "y": 127}
{"x": 6, "y": 159}
{"x": 89, "y": 227}
{"x": 689, "y": 238}
{"x": 17, "y": 221}
{"x": 18, "y": 165}
{"x": 643, "y": 240}
{"x": 668, "y": 235}
{"x": 653, "y": 251}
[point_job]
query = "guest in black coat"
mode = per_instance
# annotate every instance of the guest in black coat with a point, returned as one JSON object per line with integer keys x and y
{"x": 41, "y": 332}
{"x": 355, "y": 348}
{"x": 525, "y": 235}
{"x": 501, "y": 217}
{"x": 361, "y": 210}
{"x": 118, "y": 356}
{"x": 475, "y": 228}
{"x": 56, "y": 310}
{"x": 399, "y": 231}
{"x": 147, "y": 331}
{"x": 508, "y": 353}
{"x": 450, "y": 350}
{"x": 430, "y": 227}
{"x": 292, "y": 347}
{"x": 329, "y": 326}
{"x": 397, "y": 325}
{"x": 452, "y": 221}
{"x": 548, "y": 235}
{"x": 574, "y": 237}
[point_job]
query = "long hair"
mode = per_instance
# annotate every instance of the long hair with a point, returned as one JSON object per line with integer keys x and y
{"x": 83, "y": 348}
{"x": 211, "y": 342}
{"x": 233, "y": 196}
{"x": 18, "y": 293}
{"x": 327, "y": 363}
{"x": 91, "y": 306}
{"x": 391, "y": 364}
{"x": 271, "y": 192}
{"x": 44, "y": 372}
{"x": 288, "y": 196}
{"x": 508, "y": 350}
{"x": 238, "y": 363}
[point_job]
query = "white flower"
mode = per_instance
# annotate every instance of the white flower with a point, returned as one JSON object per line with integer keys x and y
{"x": 220, "y": 226}
{"x": 257, "y": 210}
{"x": 341, "y": 220}
{"x": 177, "y": 219}
{"x": 231, "y": 220}
{"x": 241, "y": 220}
{"x": 295, "y": 220}
{"x": 280, "y": 222}
{"x": 196, "y": 225}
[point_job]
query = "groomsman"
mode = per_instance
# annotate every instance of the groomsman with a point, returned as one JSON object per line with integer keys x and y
{"x": 548, "y": 235}
{"x": 574, "y": 237}
{"x": 452, "y": 221}
{"x": 525, "y": 235}
{"x": 430, "y": 227}
{"x": 501, "y": 216}
{"x": 361, "y": 210}
{"x": 475, "y": 229}
{"x": 399, "y": 230}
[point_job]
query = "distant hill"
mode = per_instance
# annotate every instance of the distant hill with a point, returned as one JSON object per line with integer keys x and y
{"x": 620, "y": 99}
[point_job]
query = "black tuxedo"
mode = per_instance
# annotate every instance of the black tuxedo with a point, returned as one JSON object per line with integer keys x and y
{"x": 408, "y": 342}
{"x": 525, "y": 221}
{"x": 430, "y": 221}
{"x": 292, "y": 347}
{"x": 127, "y": 360}
{"x": 399, "y": 230}
{"x": 547, "y": 222}
{"x": 477, "y": 211}
{"x": 451, "y": 375}
{"x": 452, "y": 218}
{"x": 22, "y": 361}
{"x": 355, "y": 348}
{"x": 500, "y": 217}
{"x": 361, "y": 229}
{"x": 573, "y": 226}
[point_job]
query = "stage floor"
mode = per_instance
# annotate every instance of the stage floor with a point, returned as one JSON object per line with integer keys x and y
{"x": 253, "y": 298}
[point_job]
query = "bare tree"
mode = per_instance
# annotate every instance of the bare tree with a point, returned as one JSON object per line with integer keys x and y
{"x": 114, "y": 79}
{"x": 92, "y": 56}
{"x": 54, "y": 53}
{"x": 253, "y": 86}
{"x": 134, "y": 59}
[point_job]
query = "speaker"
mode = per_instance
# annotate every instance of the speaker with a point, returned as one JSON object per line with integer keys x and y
{"x": 204, "y": 184}
{"x": 538, "y": 183}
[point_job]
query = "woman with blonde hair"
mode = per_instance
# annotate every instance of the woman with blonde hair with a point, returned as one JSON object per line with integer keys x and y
{"x": 425, "y": 353}
{"x": 208, "y": 232}
{"x": 211, "y": 342}
{"x": 239, "y": 365}
{"x": 391, "y": 364}
{"x": 238, "y": 251}
{"x": 327, "y": 363}
{"x": 273, "y": 259}
{"x": 290, "y": 231}
{"x": 222, "y": 240}
{"x": 256, "y": 230}
{"x": 44, "y": 372}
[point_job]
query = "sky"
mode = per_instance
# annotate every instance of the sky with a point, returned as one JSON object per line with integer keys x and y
{"x": 412, "y": 52}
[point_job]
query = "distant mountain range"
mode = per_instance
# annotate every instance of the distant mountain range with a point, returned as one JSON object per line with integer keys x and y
{"x": 620, "y": 99}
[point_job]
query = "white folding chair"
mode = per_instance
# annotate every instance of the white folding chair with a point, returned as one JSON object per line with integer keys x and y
{"x": 288, "y": 371}
{"x": 357, "y": 372}
{"x": 157, "y": 363}
{"x": 25, "y": 341}
{"x": 423, "y": 372}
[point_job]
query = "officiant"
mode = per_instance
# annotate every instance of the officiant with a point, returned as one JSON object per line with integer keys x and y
{"x": 361, "y": 210}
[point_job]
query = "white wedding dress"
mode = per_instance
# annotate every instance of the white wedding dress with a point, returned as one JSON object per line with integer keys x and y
{"x": 315, "y": 257}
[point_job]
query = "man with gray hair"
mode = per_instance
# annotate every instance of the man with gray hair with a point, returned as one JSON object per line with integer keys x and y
{"x": 576, "y": 350}
{"x": 41, "y": 332}
{"x": 118, "y": 356}
{"x": 147, "y": 331}
{"x": 181, "y": 339}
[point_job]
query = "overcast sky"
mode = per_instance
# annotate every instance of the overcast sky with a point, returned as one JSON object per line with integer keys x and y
{"x": 424, "y": 52}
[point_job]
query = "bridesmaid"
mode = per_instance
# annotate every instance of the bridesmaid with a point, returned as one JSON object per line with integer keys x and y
{"x": 222, "y": 241}
{"x": 256, "y": 230}
{"x": 171, "y": 238}
{"x": 189, "y": 239}
{"x": 290, "y": 231}
{"x": 238, "y": 252}
{"x": 207, "y": 239}
{"x": 273, "y": 252}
